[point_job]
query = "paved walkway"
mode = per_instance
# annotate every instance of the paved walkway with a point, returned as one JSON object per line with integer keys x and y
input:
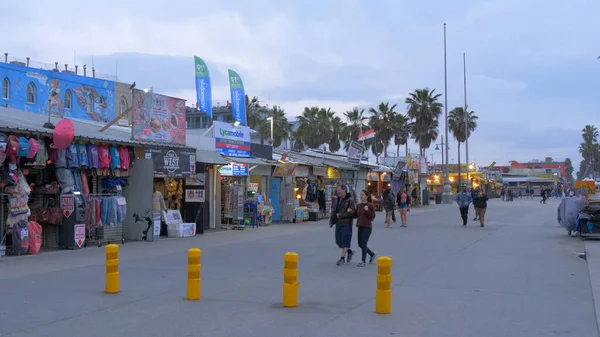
{"x": 518, "y": 276}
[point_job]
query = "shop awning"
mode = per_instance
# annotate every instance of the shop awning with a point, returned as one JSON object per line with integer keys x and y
{"x": 247, "y": 160}
{"x": 18, "y": 121}
{"x": 209, "y": 157}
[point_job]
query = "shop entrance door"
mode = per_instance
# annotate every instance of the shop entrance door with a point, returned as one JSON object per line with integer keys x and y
{"x": 276, "y": 198}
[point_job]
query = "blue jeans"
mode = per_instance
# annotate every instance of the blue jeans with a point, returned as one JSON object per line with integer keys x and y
{"x": 343, "y": 236}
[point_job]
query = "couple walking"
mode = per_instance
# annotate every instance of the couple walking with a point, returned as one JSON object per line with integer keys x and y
{"x": 342, "y": 215}
{"x": 402, "y": 200}
{"x": 479, "y": 200}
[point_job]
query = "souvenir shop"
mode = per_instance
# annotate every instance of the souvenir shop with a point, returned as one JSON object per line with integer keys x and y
{"x": 234, "y": 181}
{"x": 171, "y": 168}
{"x": 61, "y": 191}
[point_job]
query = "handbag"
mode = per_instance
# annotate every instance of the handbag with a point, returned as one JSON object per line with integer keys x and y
{"x": 47, "y": 215}
{"x": 52, "y": 188}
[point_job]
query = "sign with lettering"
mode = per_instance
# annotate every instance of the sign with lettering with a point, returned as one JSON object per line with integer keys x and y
{"x": 173, "y": 163}
{"x": 79, "y": 231}
{"x": 232, "y": 141}
{"x": 67, "y": 203}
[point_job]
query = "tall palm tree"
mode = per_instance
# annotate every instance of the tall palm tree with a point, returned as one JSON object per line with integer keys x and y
{"x": 255, "y": 112}
{"x": 402, "y": 128}
{"x": 355, "y": 126}
{"x": 281, "y": 126}
{"x": 337, "y": 127}
{"x": 315, "y": 127}
{"x": 461, "y": 123}
{"x": 424, "y": 110}
{"x": 382, "y": 121}
{"x": 589, "y": 150}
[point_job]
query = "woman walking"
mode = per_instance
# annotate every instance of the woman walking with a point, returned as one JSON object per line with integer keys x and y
{"x": 404, "y": 204}
{"x": 365, "y": 213}
{"x": 480, "y": 202}
{"x": 388, "y": 205}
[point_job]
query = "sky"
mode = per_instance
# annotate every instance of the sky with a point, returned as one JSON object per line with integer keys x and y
{"x": 532, "y": 67}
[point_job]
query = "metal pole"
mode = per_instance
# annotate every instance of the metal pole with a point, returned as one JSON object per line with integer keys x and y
{"x": 466, "y": 117}
{"x": 272, "y": 139}
{"x": 447, "y": 194}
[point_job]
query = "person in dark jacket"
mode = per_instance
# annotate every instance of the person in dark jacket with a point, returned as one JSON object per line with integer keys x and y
{"x": 388, "y": 205}
{"x": 480, "y": 202}
{"x": 474, "y": 193}
{"x": 365, "y": 213}
{"x": 543, "y": 193}
{"x": 342, "y": 213}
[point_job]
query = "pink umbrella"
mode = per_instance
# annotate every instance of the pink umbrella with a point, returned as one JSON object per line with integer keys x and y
{"x": 63, "y": 134}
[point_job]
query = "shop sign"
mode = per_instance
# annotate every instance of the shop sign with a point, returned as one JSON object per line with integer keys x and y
{"x": 319, "y": 171}
{"x": 355, "y": 152}
{"x": 301, "y": 171}
{"x": 156, "y": 220}
{"x": 173, "y": 163}
{"x": 253, "y": 187}
{"x": 234, "y": 170}
{"x": 195, "y": 195}
{"x": 79, "y": 231}
{"x": 67, "y": 203}
{"x": 232, "y": 141}
{"x": 333, "y": 173}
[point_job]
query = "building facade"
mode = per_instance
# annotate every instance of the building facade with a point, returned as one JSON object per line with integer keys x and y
{"x": 196, "y": 119}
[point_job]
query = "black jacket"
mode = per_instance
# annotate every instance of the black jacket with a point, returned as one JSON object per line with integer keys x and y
{"x": 345, "y": 216}
{"x": 480, "y": 201}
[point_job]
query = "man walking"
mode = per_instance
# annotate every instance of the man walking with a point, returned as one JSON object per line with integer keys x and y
{"x": 464, "y": 199}
{"x": 543, "y": 193}
{"x": 341, "y": 216}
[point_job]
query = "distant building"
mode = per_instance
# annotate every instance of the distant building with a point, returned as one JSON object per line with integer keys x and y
{"x": 549, "y": 169}
{"x": 196, "y": 119}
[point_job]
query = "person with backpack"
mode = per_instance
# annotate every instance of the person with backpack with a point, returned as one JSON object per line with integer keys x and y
{"x": 403, "y": 201}
{"x": 365, "y": 213}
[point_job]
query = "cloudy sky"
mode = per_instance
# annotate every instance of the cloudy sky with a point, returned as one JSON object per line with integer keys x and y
{"x": 532, "y": 67}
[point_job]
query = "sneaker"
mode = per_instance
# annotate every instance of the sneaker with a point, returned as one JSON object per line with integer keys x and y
{"x": 350, "y": 253}
{"x": 474, "y": 219}
{"x": 341, "y": 262}
{"x": 362, "y": 264}
{"x": 481, "y": 225}
{"x": 372, "y": 258}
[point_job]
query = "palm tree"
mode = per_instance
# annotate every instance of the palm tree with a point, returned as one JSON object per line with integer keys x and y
{"x": 337, "y": 127}
{"x": 382, "y": 121}
{"x": 281, "y": 127}
{"x": 461, "y": 123}
{"x": 315, "y": 127}
{"x": 424, "y": 110}
{"x": 255, "y": 113}
{"x": 355, "y": 126}
{"x": 401, "y": 132}
{"x": 589, "y": 150}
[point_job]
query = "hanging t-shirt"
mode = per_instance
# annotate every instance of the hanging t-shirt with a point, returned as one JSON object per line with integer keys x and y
{"x": 72, "y": 156}
{"x": 41, "y": 157}
{"x": 61, "y": 158}
{"x": 82, "y": 155}
{"x": 115, "y": 159}
{"x": 34, "y": 147}
{"x": 92, "y": 153}
{"x": 104, "y": 156}
{"x": 52, "y": 154}
{"x": 124, "y": 156}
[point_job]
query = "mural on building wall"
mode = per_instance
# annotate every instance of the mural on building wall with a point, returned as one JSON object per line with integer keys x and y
{"x": 63, "y": 94}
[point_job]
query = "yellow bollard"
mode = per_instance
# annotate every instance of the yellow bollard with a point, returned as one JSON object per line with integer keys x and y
{"x": 290, "y": 276}
{"x": 383, "y": 295}
{"x": 193, "y": 277}
{"x": 113, "y": 283}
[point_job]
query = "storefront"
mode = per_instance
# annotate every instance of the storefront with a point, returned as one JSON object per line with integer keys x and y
{"x": 234, "y": 180}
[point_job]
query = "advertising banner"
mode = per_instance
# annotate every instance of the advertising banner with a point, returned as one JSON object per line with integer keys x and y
{"x": 173, "y": 163}
{"x": 234, "y": 170}
{"x": 158, "y": 118}
{"x": 238, "y": 97}
{"x": 203, "y": 88}
{"x": 232, "y": 141}
{"x": 355, "y": 152}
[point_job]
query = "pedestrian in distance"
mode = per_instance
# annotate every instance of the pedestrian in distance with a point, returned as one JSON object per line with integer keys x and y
{"x": 365, "y": 214}
{"x": 474, "y": 193}
{"x": 341, "y": 216}
{"x": 480, "y": 203}
{"x": 403, "y": 200}
{"x": 543, "y": 194}
{"x": 388, "y": 206}
{"x": 464, "y": 199}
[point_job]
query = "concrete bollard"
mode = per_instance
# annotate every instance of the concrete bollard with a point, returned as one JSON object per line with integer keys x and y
{"x": 383, "y": 295}
{"x": 290, "y": 277}
{"x": 193, "y": 278}
{"x": 113, "y": 283}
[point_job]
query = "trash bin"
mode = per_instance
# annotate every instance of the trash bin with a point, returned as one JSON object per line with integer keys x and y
{"x": 438, "y": 199}
{"x": 425, "y": 198}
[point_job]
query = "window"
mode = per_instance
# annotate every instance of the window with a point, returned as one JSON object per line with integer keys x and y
{"x": 6, "y": 88}
{"x": 89, "y": 108}
{"x": 68, "y": 99}
{"x": 123, "y": 106}
{"x": 31, "y": 93}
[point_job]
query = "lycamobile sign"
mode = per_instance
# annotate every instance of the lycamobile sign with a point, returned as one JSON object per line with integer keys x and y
{"x": 232, "y": 141}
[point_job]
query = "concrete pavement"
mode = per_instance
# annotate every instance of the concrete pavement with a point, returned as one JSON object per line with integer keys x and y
{"x": 518, "y": 276}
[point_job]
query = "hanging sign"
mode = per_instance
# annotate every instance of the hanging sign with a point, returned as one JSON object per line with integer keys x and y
{"x": 173, "y": 163}
{"x": 67, "y": 203}
{"x": 195, "y": 195}
{"x": 79, "y": 234}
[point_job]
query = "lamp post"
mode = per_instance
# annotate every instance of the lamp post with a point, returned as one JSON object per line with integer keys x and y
{"x": 466, "y": 117}
{"x": 272, "y": 139}
{"x": 447, "y": 194}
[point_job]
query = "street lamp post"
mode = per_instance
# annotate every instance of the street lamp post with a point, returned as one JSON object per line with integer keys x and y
{"x": 466, "y": 117}
{"x": 447, "y": 194}
{"x": 272, "y": 139}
